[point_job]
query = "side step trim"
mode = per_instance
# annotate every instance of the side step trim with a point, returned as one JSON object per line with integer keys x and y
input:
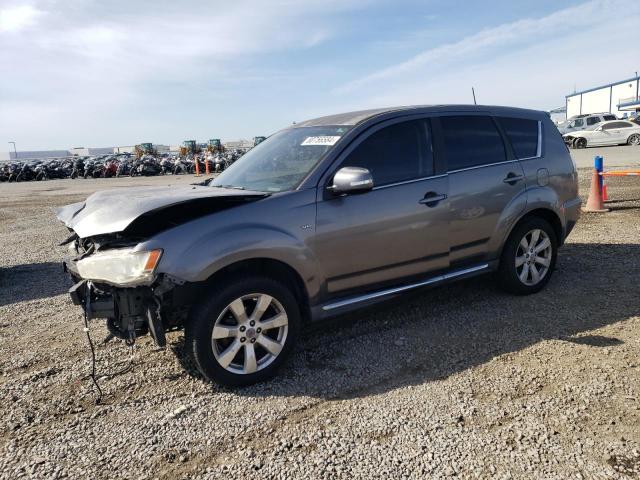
{"x": 391, "y": 291}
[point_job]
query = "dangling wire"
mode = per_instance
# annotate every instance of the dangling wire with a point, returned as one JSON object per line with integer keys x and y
{"x": 87, "y": 307}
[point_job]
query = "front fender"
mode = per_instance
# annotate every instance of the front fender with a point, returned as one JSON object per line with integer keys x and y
{"x": 208, "y": 254}
{"x": 277, "y": 229}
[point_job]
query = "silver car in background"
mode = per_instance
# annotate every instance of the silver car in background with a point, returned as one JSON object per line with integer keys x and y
{"x": 324, "y": 217}
{"x": 584, "y": 122}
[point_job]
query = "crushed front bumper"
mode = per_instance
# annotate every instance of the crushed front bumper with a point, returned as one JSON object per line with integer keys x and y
{"x": 130, "y": 312}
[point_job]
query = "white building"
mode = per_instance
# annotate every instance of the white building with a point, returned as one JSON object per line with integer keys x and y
{"x": 86, "y": 152}
{"x": 34, "y": 154}
{"x": 620, "y": 98}
{"x": 558, "y": 114}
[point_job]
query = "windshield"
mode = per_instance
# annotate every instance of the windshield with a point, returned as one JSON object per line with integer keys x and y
{"x": 282, "y": 161}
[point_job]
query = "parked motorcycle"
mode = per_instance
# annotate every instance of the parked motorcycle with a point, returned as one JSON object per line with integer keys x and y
{"x": 26, "y": 173}
{"x": 145, "y": 166}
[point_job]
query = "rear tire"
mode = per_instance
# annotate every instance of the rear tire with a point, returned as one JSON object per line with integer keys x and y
{"x": 259, "y": 352}
{"x": 528, "y": 257}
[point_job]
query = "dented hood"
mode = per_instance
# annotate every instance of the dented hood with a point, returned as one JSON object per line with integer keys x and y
{"x": 112, "y": 211}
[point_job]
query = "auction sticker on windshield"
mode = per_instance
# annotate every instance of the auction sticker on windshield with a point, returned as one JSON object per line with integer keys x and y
{"x": 324, "y": 140}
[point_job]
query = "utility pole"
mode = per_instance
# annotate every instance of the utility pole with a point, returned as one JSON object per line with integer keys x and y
{"x": 14, "y": 150}
{"x": 474, "y": 96}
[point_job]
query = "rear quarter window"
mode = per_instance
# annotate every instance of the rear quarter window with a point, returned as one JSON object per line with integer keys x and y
{"x": 523, "y": 135}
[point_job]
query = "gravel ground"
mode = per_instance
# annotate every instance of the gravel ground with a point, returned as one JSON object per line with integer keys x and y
{"x": 462, "y": 380}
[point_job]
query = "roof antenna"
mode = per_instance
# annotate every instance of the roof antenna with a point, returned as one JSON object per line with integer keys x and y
{"x": 474, "y": 96}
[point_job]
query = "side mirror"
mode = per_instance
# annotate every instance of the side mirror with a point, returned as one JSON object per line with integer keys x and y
{"x": 351, "y": 180}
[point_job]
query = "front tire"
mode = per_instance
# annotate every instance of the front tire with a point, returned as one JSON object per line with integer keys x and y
{"x": 528, "y": 257}
{"x": 580, "y": 143}
{"x": 634, "y": 139}
{"x": 242, "y": 334}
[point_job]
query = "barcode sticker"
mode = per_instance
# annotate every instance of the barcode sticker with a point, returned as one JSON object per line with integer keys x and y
{"x": 326, "y": 140}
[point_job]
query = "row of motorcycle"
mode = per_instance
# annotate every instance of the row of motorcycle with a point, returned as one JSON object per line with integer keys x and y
{"x": 107, "y": 166}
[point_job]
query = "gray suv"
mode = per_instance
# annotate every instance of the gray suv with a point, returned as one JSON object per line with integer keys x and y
{"x": 322, "y": 218}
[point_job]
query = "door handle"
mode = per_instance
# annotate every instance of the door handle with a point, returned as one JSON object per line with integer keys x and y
{"x": 512, "y": 178}
{"x": 431, "y": 199}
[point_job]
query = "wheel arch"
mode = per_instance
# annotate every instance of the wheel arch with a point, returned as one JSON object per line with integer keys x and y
{"x": 577, "y": 140}
{"x": 546, "y": 214}
{"x": 267, "y": 267}
{"x": 631, "y": 136}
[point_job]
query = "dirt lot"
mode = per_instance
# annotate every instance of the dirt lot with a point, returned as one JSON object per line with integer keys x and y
{"x": 462, "y": 380}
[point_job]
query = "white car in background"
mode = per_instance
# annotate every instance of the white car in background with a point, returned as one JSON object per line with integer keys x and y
{"x": 584, "y": 122}
{"x": 615, "y": 132}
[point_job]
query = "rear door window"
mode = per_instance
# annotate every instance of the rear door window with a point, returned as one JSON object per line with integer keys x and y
{"x": 471, "y": 141}
{"x": 593, "y": 120}
{"x": 396, "y": 153}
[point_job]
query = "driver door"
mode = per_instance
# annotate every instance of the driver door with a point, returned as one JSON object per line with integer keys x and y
{"x": 391, "y": 232}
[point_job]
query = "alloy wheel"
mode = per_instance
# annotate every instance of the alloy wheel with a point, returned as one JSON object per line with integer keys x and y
{"x": 250, "y": 333}
{"x": 533, "y": 257}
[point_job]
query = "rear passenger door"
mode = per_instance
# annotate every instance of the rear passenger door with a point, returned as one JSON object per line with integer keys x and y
{"x": 484, "y": 180}
{"x": 617, "y": 132}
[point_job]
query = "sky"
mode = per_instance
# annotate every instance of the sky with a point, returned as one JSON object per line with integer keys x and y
{"x": 107, "y": 73}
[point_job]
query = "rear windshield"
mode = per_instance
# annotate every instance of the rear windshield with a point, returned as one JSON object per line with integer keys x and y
{"x": 282, "y": 161}
{"x": 523, "y": 135}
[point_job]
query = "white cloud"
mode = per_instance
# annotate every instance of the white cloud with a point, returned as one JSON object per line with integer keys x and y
{"x": 14, "y": 19}
{"x": 112, "y": 63}
{"x": 96, "y": 73}
{"x": 519, "y": 34}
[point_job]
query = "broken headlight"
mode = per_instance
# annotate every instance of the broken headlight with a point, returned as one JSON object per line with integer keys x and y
{"x": 123, "y": 267}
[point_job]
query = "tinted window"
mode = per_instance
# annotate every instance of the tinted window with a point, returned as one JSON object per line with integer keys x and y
{"x": 523, "y": 135}
{"x": 579, "y": 122}
{"x": 593, "y": 120}
{"x": 395, "y": 153}
{"x": 609, "y": 117}
{"x": 612, "y": 125}
{"x": 471, "y": 141}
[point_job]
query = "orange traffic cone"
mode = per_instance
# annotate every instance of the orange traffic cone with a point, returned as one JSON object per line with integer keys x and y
{"x": 197, "y": 168}
{"x": 594, "y": 202}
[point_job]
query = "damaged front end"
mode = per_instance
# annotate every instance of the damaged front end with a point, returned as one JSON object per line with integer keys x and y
{"x": 130, "y": 313}
{"x": 124, "y": 288}
{"x": 115, "y": 278}
{"x": 568, "y": 140}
